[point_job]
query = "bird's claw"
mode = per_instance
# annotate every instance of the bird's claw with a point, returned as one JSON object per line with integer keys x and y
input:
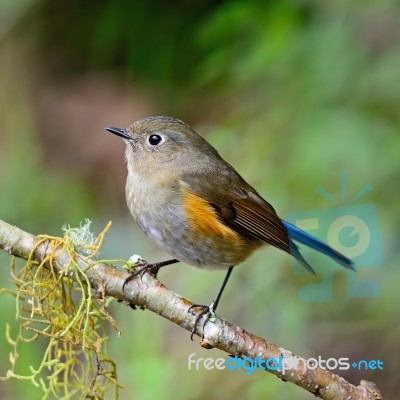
{"x": 209, "y": 313}
{"x": 140, "y": 268}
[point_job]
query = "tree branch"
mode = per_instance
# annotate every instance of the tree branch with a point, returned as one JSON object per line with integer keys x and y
{"x": 148, "y": 292}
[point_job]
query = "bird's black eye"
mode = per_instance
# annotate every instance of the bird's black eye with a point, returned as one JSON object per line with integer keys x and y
{"x": 154, "y": 140}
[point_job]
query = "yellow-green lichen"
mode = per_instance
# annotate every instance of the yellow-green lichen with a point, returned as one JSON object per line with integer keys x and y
{"x": 60, "y": 308}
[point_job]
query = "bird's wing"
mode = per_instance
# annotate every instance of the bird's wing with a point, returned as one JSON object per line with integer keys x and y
{"x": 259, "y": 219}
{"x": 239, "y": 207}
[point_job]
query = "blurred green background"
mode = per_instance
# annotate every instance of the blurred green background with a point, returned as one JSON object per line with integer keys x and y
{"x": 292, "y": 93}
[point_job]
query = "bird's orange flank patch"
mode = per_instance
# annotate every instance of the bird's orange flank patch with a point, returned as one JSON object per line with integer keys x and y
{"x": 203, "y": 218}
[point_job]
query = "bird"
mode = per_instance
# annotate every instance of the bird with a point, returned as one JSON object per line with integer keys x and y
{"x": 198, "y": 208}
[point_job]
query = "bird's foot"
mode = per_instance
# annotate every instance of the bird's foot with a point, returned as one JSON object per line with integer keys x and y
{"x": 140, "y": 268}
{"x": 207, "y": 311}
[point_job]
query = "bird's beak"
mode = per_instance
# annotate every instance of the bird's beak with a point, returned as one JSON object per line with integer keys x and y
{"x": 122, "y": 132}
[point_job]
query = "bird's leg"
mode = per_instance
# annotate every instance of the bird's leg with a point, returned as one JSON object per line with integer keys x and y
{"x": 209, "y": 311}
{"x": 142, "y": 266}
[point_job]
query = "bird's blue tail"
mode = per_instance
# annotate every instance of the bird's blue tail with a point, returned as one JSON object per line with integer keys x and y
{"x": 305, "y": 238}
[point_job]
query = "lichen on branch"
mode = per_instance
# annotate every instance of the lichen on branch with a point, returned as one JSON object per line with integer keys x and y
{"x": 57, "y": 307}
